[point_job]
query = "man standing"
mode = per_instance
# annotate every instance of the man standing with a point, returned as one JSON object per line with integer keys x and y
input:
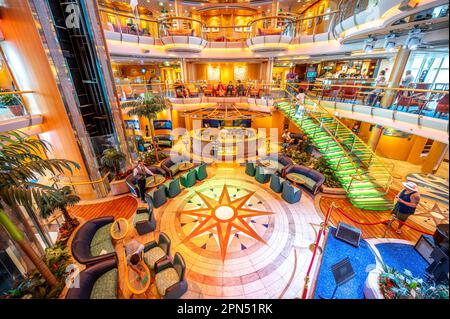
{"x": 407, "y": 201}
{"x": 408, "y": 79}
{"x": 140, "y": 173}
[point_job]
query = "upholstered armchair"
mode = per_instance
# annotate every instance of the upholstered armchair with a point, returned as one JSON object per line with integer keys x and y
{"x": 250, "y": 169}
{"x": 172, "y": 187}
{"x": 188, "y": 179}
{"x": 157, "y": 251}
{"x": 200, "y": 172}
{"x": 290, "y": 193}
{"x": 261, "y": 176}
{"x": 156, "y": 197}
{"x": 170, "y": 277}
{"x": 144, "y": 220}
{"x": 276, "y": 183}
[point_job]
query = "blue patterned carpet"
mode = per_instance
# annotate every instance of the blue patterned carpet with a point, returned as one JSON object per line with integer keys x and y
{"x": 402, "y": 256}
{"x": 362, "y": 260}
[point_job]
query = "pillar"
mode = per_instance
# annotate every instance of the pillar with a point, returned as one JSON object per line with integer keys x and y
{"x": 395, "y": 78}
{"x": 435, "y": 157}
{"x": 269, "y": 70}
{"x": 184, "y": 70}
{"x": 374, "y": 138}
{"x": 417, "y": 148}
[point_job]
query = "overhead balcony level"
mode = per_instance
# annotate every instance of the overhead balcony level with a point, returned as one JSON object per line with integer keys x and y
{"x": 180, "y": 34}
{"x": 274, "y": 33}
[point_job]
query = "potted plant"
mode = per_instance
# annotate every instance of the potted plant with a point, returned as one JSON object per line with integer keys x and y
{"x": 12, "y": 102}
{"x": 113, "y": 160}
{"x": 332, "y": 185}
{"x": 147, "y": 106}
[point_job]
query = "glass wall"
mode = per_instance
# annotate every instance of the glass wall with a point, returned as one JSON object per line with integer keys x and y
{"x": 430, "y": 67}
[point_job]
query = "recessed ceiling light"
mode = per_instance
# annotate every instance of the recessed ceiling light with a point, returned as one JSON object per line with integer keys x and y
{"x": 161, "y": 4}
{"x": 259, "y": 7}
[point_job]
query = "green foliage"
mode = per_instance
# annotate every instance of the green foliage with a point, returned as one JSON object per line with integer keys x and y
{"x": 147, "y": 106}
{"x": 9, "y": 99}
{"x": 396, "y": 285}
{"x": 322, "y": 166}
{"x": 21, "y": 165}
{"x": 58, "y": 199}
{"x": 150, "y": 158}
{"x": 34, "y": 286}
{"x": 113, "y": 160}
{"x": 299, "y": 157}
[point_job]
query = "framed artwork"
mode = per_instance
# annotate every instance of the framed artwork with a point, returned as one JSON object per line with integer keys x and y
{"x": 213, "y": 73}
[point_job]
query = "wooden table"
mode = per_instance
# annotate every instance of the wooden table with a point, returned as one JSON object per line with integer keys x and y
{"x": 154, "y": 181}
{"x": 119, "y": 229}
{"x": 185, "y": 166}
{"x": 295, "y": 178}
{"x": 136, "y": 284}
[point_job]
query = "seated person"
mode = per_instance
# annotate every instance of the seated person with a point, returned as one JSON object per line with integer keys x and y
{"x": 230, "y": 89}
{"x": 180, "y": 90}
{"x": 134, "y": 252}
{"x": 287, "y": 139}
{"x": 240, "y": 91}
{"x": 220, "y": 89}
{"x": 140, "y": 173}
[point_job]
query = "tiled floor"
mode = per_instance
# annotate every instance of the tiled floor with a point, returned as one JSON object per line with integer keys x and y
{"x": 251, "y": 269}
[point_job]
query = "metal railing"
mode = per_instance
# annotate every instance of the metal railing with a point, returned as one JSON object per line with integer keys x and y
{"x": 12, "y": 104}
{"x": 414, "y": 99}
{"x": 180, "y": 26}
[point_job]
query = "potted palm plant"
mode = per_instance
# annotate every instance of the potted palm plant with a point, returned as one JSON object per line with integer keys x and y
{"x": 147, "y": 106}
{"x": 21, "y": 165}
{"x": 12, "y": 102}
{"x": 113, "y": 160}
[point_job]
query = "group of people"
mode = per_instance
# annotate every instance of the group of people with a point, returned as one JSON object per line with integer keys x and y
{"x": 216, "y": 90}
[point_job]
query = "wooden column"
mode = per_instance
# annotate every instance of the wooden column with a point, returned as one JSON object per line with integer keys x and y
{"x": 396, "y": 76}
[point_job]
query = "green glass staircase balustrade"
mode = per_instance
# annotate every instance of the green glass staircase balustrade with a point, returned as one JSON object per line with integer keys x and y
{"x": 365, "y": 177}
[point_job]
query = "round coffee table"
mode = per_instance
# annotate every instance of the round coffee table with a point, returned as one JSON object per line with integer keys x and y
{"x": 185, "y": 166}
{"x": 154, "y": 181}
{"x": 295, "y": 178}
{"x": 119, "y": 229}
{"x": 136, "y": 284}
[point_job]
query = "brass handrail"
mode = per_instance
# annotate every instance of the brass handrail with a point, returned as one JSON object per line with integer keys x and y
{"x": 16, "y": 92}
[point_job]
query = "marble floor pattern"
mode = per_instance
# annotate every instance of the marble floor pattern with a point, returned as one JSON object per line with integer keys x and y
{"x": 272, "y": 268}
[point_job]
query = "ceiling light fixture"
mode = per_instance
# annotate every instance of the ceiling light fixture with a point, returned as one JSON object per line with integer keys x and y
{"x": 369, "y": 44}
{"x": 390, "y": 43}
{"x": 414, "y": 39}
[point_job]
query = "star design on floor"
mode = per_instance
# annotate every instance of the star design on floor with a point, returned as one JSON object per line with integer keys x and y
{"x": 224, "y": 215}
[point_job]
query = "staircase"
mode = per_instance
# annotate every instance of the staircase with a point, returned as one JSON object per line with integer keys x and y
{"x": 365, "y": 177}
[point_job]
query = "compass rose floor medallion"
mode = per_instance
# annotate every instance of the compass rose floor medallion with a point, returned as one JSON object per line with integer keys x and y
{"x": 239, "y": 239}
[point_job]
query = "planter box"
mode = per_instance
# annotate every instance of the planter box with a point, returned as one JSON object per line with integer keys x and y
{"x": 16, "y": 110}
{"x": 372, "y": 288}
{"x": 119, "y": 187}
{"x": 333, "y": 191}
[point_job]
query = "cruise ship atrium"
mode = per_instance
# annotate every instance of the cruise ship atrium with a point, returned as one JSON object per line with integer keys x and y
{"x": 226, "y": 149}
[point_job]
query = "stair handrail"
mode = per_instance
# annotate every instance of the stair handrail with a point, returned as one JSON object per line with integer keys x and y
{"x": 334, "y": 138}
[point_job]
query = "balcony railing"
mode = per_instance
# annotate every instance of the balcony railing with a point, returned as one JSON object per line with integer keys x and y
{"x": 12, "y": 104}
{"x": 422, "y": 99}
{"x": 273, "y": 33}
{"x": 182, "y": 34}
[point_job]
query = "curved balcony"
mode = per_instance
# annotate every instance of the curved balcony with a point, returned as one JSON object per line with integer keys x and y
{"x": 180, "y": 34}
{"x": 274, "y": 33}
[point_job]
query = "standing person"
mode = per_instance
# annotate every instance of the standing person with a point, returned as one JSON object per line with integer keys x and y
{"x": 375, "y": 94}
{"x": 230, "y": 89}
{"x": 408, "y": 79}
{"x": 140, "y": 173}
{"x": 407, "y": 201}
{"x": 240, "y": 91}
{"x": 287, "y": 139}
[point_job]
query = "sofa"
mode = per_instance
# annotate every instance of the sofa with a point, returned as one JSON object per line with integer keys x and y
{"x": 170, "y": 277}
{"x": 164, "y": 140}
{"x": 170, "y": 167}
{"x": 313, "y": 179}
{"x": 131, "y": 180}
{"x": 92, "y": 242}
{"x": 99, "y": 281}
{"x": 280, "y": 163}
